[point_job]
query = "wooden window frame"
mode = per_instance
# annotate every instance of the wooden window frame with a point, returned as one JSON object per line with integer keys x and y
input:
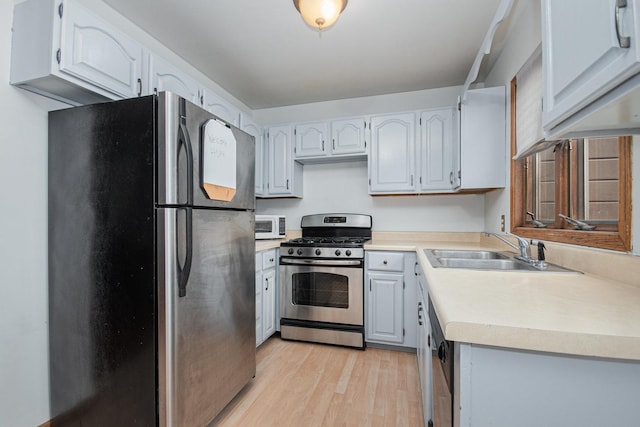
{"x": 617, "y": 240}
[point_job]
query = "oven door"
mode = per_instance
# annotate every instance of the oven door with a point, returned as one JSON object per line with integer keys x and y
{"x": 322, "y": 290}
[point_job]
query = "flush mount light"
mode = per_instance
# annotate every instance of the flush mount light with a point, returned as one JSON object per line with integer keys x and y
{"x": 320, "y": 14}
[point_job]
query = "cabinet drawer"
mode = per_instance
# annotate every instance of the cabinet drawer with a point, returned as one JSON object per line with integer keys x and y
{"x": 386, "y": 261}
{"x": 269, "y": 259}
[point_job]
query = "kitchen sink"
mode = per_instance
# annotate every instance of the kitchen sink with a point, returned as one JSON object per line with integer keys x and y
{"x": 467, "y": 254}
{"x": 486, "y": 260}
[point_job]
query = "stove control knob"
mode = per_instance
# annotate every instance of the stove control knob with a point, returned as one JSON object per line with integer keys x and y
{"x": 299, "y": 251}
{"x": 348, "y": 252}
{"x": 290, "y": 251}
{"x": 338, "y": 252}
{"x": 318, "y": 252}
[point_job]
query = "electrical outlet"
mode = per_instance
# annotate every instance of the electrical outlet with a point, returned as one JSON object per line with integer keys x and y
{"x": 502, "y": 223}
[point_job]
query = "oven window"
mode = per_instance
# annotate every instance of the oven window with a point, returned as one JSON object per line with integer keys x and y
{"x": 320, "y": 289}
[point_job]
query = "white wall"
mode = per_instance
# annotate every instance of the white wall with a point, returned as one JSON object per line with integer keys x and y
{"x": 522, "y": 40}
{"x": 343, "y": 187}
{"x": 423, "y": 99}
{"x": 24, "y": 394}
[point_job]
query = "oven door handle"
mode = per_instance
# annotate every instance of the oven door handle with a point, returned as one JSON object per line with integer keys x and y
{"x": 323, "y": 262}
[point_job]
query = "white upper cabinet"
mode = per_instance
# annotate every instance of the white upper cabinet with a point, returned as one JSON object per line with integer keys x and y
{"x": 284, "y": 175}
{"x": 311, "y": 139}
{"x": 392, "y": 157}
{"x": 483, "y": 142}
{"x": 164, "y": 76}
{"x": 437, "y": 150}
{"x": 590, "y": 51}
{"x": 63, "y": 51}
{"x": 348, "y": 136}
{"x": 258, "y": 133}
{"x": 337, "y": 140}
{"x": 398, "y": 164}
{"x": 219, "y": 107}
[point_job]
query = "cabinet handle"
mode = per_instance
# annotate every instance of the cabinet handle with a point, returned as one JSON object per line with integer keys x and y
{"x": 334, "y": 144}
{"x": 451, "y": 177}
{"x": 369, "y": 285}
{"x": 287, "y": 184}
{"x": 385, "y": 262}
{"x": 139, "y": 87}
{"x": 322, "y": 145}
{"x": 267, "y": 280}
{"x": 624, "y": 41}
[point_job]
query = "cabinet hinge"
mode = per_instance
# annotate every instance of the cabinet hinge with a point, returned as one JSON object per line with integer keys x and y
{"x": 60, "y": 10}
{"x": 59, "y": 55}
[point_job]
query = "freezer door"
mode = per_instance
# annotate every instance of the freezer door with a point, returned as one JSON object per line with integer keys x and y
{"x": 180, "y": 148}
{"x": 206, "y": 339}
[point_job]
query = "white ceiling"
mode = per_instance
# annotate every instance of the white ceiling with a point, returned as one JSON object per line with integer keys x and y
{"x": 262, "y": 52}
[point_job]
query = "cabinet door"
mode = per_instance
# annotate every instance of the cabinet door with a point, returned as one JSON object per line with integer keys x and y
{"x": 583, "y": 53}
{"x": 256, "y": 131}
{"x": 385, "y": 307}
{"x": 220, "y": 108}
{"x": 268, "y": 303}
{"x": 483, "y": 139}
{"x": 392, "y": 157}
{"x": 436, "y": 150}
{"x": 348, "y": 136}
{"x": 259, "y": 334}
{"x": 163, "y": 76}
{"x": 94, "y": 51}
{"x": 279, "y": 161}
{"x": 310, "y": 140}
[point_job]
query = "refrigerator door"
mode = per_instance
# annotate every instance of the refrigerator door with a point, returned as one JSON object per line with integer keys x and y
{"x": 180, "y": 153}
{"x": 102, "y": 280}
{"x": 206, "y": 339}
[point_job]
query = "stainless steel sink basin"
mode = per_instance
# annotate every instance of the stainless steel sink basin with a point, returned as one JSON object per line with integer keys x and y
{"x": 485, "y": 264}
{"x": 467, "y": 254}
{"x": 486, "y": 260}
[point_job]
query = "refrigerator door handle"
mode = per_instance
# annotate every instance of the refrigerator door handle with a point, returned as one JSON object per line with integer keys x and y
{"x": 185, "y": 270}
{"x": 184, "y": 140}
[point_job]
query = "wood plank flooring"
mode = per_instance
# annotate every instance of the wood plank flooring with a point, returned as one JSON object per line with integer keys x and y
{"x": 305, "y": 385}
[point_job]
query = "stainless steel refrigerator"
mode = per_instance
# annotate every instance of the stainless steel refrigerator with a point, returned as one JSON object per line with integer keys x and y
{"x": 151, "y": 281}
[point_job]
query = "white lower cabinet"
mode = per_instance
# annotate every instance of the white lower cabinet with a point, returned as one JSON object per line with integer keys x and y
{"x": 266, "y": 286}
{"x": 390, "y": 295}
{"x": 510, "y": 387}
{"x": 423, "y": 346}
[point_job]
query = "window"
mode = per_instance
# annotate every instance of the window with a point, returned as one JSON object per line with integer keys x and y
{"x": 588, "y": 180}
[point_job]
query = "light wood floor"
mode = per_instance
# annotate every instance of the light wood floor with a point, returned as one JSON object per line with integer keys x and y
{"x": 305, "y": 385}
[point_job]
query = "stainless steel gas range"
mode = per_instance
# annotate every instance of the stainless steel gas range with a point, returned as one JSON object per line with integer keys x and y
{"x": 322, "y": 280}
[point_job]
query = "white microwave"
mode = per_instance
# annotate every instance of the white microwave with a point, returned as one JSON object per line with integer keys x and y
{"x": 270, "y": 226}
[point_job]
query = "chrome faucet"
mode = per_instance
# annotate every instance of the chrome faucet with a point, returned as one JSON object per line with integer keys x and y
{"x": 523, "y": 245}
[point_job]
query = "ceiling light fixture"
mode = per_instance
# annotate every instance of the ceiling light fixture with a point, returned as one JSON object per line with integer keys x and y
{"x": 320, "y": 14}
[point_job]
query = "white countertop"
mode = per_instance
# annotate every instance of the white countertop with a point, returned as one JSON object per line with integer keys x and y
{"x": 578, "y": 314}
{"x": 263, "y": 245}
